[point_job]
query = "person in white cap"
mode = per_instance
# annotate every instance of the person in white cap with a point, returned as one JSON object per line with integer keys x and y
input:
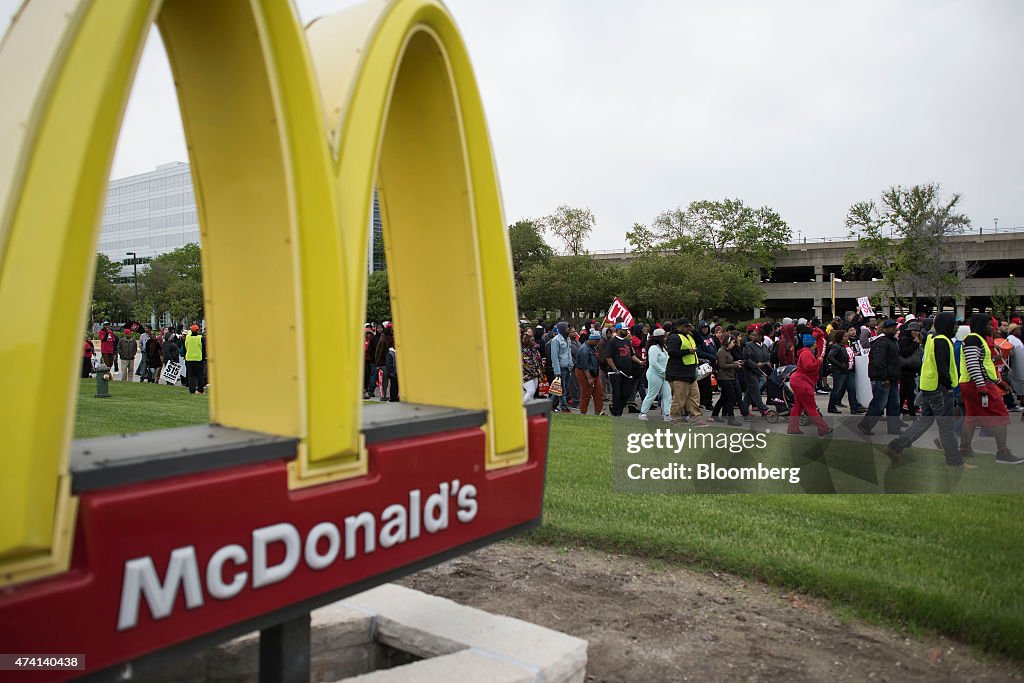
{"x": 657, "y": 386}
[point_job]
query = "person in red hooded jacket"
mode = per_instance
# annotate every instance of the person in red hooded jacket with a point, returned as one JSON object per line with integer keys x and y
{"x": 786, "y": 347}
{"x": 802, "y": 381}
{"x": 821, "y": 343}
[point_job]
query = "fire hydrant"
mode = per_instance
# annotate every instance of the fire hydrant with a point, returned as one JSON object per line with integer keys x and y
{"x": 102, "y": 381}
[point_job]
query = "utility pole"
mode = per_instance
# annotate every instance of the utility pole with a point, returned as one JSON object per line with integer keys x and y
{"x": 135, "y": 272}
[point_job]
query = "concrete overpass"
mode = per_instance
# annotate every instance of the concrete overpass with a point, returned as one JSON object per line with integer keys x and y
{"x": 800, "y": 283}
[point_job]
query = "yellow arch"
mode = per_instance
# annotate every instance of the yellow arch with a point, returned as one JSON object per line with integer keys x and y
{"x": 283, "y": 177}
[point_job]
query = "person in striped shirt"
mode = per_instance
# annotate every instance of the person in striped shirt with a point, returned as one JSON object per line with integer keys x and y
{"x": 981, "y": 390}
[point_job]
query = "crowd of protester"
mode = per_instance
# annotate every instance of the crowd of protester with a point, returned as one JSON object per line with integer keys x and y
{"x": 118, "y": 351}
{"x": 971, "y": 372}
{"x": 965, "y": 375}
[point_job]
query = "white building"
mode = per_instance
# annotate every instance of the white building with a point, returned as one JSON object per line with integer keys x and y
{"x": 149, "y": 214}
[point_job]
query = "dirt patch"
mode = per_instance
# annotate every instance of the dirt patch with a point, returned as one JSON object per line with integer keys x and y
{"x": 649, "y": 622}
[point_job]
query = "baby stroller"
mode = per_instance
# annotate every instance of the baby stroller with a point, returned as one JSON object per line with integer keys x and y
{"x": 780, "y": 395}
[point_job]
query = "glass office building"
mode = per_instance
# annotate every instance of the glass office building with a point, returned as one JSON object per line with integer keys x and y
{"x": 375, "y": 250}
{"x": 154, "y": 213}
{"x": 149, "y": 214}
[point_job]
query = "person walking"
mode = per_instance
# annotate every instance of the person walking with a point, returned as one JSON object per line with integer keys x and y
{"x": 562, "y": 366}
{"x": 369, "y": 369}
{"x": 910, "y": 365}
{"x": 658, "y": 387}
{"x": 802, "y": 382}
{"x": 140, "y": 371}
{"x": 756, "y": 366}
{"x": 108, "y": 345}
{"x": 533, "y": 366}
{"x": 154, "y": 358}
{"x": 884, "y": 373}
{"x": 195, "y": 352}
{"x": 681, "y": 373}
{"x": 171, "y": 352}
{"x": 707, "y": 352}
{"x": 785, "y": 348}
{"x": 588, "y": 374}
{"x": 623, "y": 366}
{"x": 380, "y": 357}
{"x": 726, "y": 373}
{"x": 126, "y": 348}
{"x": 391, "y": 367}
{"x": 840, "y": 359}
{"x": 981, "y": 392}
{"x": 88, "y": 353}
{"x": 939, "y": 374}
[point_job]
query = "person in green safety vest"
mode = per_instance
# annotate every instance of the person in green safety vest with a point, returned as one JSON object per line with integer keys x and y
{"x": 195, "y": 353}
{"x": 939, "y": 375}
{"x": 981, "y": 390}
{"x": 681, "y": 373}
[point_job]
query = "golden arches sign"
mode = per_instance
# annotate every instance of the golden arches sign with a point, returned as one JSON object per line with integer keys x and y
{"x": 284, "y": 158}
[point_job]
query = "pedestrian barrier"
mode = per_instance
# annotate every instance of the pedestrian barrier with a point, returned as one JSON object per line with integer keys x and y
{"x": 295, "y": 494}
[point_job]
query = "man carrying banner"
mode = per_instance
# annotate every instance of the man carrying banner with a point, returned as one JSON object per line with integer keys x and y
{"x": 623, "y": 368}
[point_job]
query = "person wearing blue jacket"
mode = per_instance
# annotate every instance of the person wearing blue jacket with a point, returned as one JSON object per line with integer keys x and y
{"x": 657, "y": 386}
{"x": 588, "y": 374}
{"x": 562, "y": 365}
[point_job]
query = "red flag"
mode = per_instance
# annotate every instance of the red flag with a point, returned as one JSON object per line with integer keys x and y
{"x": 618, "y": 310}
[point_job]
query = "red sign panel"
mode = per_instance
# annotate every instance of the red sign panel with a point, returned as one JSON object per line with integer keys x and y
{"x": 160, "y": 563}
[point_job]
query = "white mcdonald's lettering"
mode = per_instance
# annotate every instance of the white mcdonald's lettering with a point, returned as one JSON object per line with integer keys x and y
{"x": 140, "y": 578}
{"x": 398, "y": 523}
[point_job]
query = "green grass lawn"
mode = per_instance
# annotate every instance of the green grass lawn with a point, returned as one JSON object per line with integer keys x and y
{"x": 135, "y": 407}
{"x": 951, "y": 564}
{"x": 948, "y": 564}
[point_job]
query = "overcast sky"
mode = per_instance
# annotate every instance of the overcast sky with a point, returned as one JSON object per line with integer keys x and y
{"x": 634, "y": 107}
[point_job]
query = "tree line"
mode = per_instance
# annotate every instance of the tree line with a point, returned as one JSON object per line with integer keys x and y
{"x": 708, "y": 256}
{"x": 170, "y": 283}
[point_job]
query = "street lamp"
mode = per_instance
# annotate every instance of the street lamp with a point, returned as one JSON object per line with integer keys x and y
{"x": 135, "y": 271}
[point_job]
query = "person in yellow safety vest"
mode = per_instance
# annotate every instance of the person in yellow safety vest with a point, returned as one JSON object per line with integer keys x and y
{"x": 681, "y": 373}
{"x": 939, "y": 375}
{"x": 195, "y": 354}
{"x": 982, "y": 391}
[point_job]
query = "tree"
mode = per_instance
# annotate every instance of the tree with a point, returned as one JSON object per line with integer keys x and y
{"x": 172, "y": 283}
{"x": 572, "y": 226}
{"x": 916, "y": 255}
{"x": 378, "y": 297}
{"x": 184, "y": 299}
{"x": 725, "y": 230}
{"x": 1005, "y": 300}
{"x": 572, "y": 285}
{"x": 670, "y": 285}
{"x": 528, "y": 247}
{"x": 106, "y": 300}
{"x": 641, "y": 238}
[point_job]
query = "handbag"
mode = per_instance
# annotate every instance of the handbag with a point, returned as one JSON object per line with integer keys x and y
{"x": 914, "y": 360}
{"x": 556, "y": 387}
{"x": 703, "y": 370}
{"x": 542, "y": 389}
